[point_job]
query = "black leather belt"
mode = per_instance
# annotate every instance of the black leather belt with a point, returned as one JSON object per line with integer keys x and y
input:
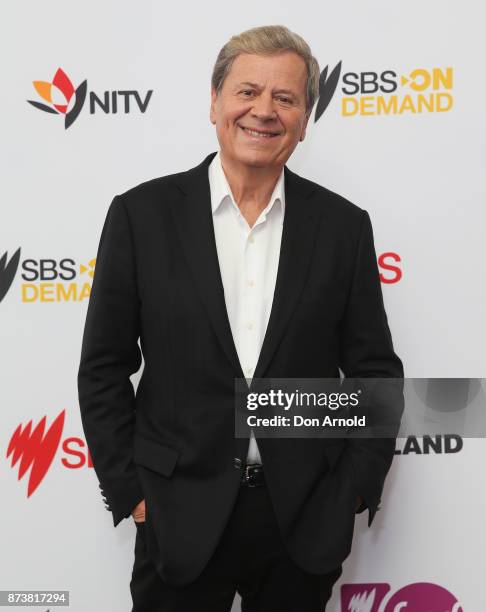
{"x": 252, "y": 475}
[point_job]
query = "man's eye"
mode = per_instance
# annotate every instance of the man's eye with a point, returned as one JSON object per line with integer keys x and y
{"x": 285, "y": 100}
{"x": 247, "y": 91}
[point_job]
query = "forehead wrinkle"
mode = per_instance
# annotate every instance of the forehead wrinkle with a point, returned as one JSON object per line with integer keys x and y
{"x": 276, "y": 89}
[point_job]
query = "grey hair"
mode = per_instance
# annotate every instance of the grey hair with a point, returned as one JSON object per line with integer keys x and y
{"x": 267, "y": 40}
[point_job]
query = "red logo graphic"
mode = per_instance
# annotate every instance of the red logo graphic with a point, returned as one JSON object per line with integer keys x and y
{"x": 415, "y": 597}
{"x": 61, "y": 96}
{"x": 363, "y": 597}
{"x": 35, "y": 449}
{"x": 392, "y": 272}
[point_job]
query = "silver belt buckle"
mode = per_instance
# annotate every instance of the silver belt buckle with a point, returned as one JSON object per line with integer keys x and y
{"x": 247, "y": 475}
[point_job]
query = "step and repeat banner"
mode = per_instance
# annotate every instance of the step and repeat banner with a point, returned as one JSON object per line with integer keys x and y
{"x": 101, "y": 96}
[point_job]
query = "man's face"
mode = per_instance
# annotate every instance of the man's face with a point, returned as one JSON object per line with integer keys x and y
{"x": 267, "y": 94}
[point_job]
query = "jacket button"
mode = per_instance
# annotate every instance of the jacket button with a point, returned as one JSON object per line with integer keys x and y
{"x": 237, "y": 463}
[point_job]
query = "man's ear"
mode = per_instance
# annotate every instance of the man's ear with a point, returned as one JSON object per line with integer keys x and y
{"x": 212, "y": 110}
{"x": 304, "y": 127}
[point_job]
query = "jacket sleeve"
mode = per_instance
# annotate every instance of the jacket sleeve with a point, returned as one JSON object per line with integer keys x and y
{"x": 109, "y": 355}
{"x": 366, "y": 351}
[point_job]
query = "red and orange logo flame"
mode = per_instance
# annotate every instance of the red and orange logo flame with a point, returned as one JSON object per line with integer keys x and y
{"x": 62, "y": 87}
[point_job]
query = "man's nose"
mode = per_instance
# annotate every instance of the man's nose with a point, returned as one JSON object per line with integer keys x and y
{"x": 263, "y": 107}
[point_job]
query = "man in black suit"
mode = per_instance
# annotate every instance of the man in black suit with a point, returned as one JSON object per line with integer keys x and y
{"x": 236, "y": 268}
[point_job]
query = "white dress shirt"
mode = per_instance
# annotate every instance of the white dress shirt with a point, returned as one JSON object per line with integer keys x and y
{"x": 248, "y": 261}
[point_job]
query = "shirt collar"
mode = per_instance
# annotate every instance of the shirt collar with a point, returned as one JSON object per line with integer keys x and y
{"x": 220, "y": 188}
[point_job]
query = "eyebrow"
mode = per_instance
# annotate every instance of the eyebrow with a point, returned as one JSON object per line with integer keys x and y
{"x": 256, "y": 86}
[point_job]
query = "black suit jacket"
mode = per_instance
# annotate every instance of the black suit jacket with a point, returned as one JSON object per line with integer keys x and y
{"x": 172, "y": 443}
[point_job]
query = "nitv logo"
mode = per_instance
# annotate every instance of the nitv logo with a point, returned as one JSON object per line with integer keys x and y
{"x": 35, "y": 448}
{"x": 63, "y": 98}
{"x": 416, "y": 597}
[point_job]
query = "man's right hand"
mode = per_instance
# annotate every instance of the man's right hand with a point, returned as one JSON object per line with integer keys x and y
{"x": 138, "y": 512}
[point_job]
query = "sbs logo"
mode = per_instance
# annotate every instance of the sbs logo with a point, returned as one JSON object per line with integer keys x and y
{"x": 386, "y": 92}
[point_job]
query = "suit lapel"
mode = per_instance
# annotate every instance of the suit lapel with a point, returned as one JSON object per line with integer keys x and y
{"x": 193, "y": 218}
{"x": 298, "y": 235}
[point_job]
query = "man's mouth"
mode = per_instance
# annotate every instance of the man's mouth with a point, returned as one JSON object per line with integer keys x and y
{"x": 259, "y": 133}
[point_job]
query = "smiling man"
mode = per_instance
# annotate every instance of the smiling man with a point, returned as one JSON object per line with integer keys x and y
{"x": 237, "y": 268}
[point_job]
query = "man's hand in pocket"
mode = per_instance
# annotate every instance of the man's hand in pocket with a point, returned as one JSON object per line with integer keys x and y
{"x": 138, "y": 512}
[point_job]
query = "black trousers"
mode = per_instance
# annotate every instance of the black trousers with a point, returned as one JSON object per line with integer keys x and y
{"x": 250, "y": 559}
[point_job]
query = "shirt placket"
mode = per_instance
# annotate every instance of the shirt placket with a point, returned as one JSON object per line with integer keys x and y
{"x": 249, "y": 310}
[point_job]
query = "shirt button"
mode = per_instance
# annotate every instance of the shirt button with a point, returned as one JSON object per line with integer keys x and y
{"x": 251, "y": 239}
{"x": 250, "y": 283}
{"x": 249, "y": 325}
{"x": 248, "y": 371}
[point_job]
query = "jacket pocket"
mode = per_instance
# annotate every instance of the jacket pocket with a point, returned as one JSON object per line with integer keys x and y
{"x": 154, "y": 455}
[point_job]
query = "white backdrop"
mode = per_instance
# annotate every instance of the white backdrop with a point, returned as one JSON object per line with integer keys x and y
{"x": 420, "y": 175}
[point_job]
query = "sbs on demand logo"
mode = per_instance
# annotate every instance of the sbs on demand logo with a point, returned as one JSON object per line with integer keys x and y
{"x": 47, "y": 280}
{"x": 387, "y": 93}
{"x": 64, "y": 99}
